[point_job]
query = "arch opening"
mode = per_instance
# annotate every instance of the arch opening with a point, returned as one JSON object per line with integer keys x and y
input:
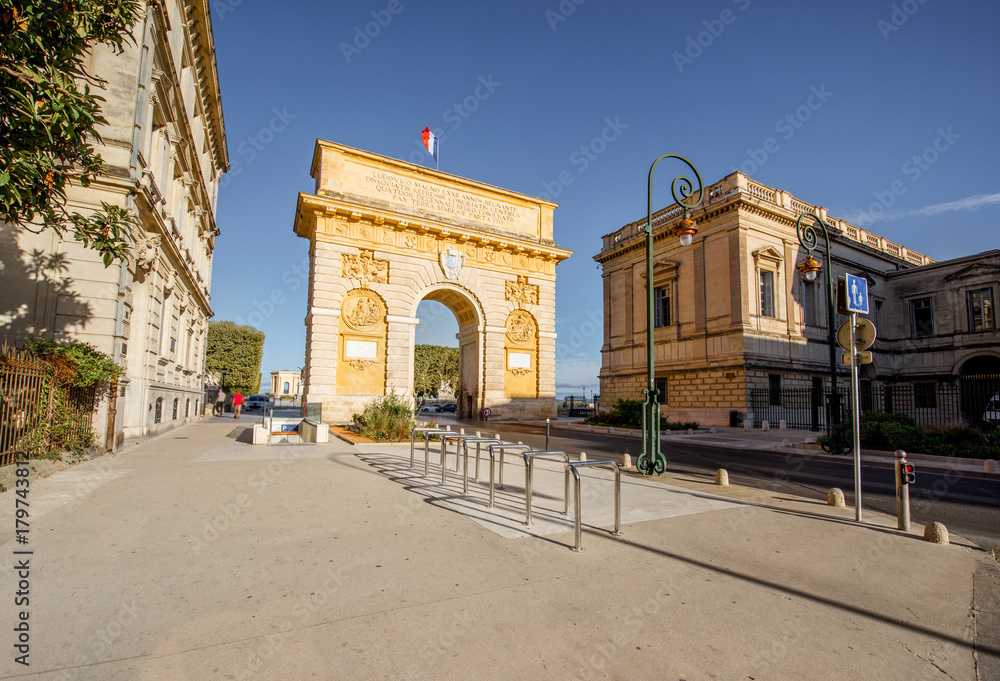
{"x": 461, "y": 329}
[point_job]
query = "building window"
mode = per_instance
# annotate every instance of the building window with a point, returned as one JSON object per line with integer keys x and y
{"x": 925, "y": 395}
{"x": 878, "y": 314}
{"x": 287, "y": 387}
{"x": 187, "y": 408}
{"x": 767, "y": 294}
{"x": 173, "y": 344}
{"x": 158, "y": 414}
{"x": 980, "y": 305}
{"x": 921, "y": 318}
{"x": 176, "y": 401}
{"x": 661, "y": 387}
{"x": 774, "y": 390}
{"x": 661, "y": 307}
{"x": 810, "y": 313}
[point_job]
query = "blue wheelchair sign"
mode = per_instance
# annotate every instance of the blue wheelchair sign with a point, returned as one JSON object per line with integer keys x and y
{"x": 857, "y": 294}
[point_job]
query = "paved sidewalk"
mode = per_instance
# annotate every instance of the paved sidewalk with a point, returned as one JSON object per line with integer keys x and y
{"x": 197, "y": 556}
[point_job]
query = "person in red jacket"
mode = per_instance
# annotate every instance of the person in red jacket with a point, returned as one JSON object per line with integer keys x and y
{"x": 237, "y": 404}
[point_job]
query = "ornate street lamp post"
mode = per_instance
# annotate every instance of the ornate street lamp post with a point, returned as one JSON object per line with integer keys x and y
{"x": 810, "y": 267}
{"x": 652, "y": 460}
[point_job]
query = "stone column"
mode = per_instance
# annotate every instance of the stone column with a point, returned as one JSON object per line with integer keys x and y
{"x": 399, "y": 355}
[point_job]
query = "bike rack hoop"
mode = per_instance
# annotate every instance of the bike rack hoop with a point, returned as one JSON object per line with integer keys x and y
{"x": 572, "y": 467}
{"x": 413, "y": 436}
{"x": 529, "y": 477}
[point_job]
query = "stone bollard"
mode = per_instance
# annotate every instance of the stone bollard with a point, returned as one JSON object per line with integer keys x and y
{"x": 786, "y": 443}
{"x": 746, "y": 427}
{"x": 991, "y": 466}
{"x": 764, "y": 425}
{"x": 712, "y": 431}
{"x": 496, "y": 436}
{"x": 478, "y": 435}
{"x": 461, "y": 431}
{"x": 722, "y": 477}
{"x": 774, "y": 446}
{"x": 936, "y": 533}
{"x": 583, "y": 456}
{"x": 667, "y": 432}
{"x": 626, "y": 460}
{"x": 782, "y": 425}
{"x": 448, "y": 428}
{"x": 835, "y": 498}
{"x": 690, "y": 431}
{"x": 611, "y": 429}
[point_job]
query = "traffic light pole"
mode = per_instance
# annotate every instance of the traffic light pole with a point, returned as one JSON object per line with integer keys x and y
{"x": 904, "y": 475}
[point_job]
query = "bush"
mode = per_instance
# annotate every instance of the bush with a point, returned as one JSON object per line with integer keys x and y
{"x": 628, "y": 414}
{"x": 889, "y": 432}
{"x": 385, "y": 419}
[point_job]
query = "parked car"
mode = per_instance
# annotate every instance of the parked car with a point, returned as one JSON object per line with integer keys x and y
{"x": 256, "y": 402}
{"x": 453, "y": 407}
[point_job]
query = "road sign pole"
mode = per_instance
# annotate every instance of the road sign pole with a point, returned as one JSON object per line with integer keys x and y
{"x": 856, "y": 420}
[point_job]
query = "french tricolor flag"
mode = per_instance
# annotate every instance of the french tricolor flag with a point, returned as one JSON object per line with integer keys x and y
{"x": 431, "y": 142}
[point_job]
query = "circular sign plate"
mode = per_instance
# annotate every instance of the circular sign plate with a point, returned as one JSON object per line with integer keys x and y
{"x": 864, "y": 335}
{"x": 487, "y": 412}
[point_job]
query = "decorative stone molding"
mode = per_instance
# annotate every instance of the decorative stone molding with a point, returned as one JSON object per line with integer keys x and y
{"x": 365, "y": 268}
{"x": 361, "y": 364}
{"x": 452, "y": 262}
{"x": 522, "y": 293}
{"x": 362, "y": 312}
{"x": 520, "y": 326}
{"x": 146, "y": 251}
{"x": 520, "y": 371}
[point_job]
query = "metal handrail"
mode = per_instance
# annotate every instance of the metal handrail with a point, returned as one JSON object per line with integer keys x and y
{"x": 465, "y": 446}
{"x": 529, "y": 476}
{"x": 502, "y": 448}
{"x": 427, "y": 437}
{"x": 449, "y": 435}
{"x": 576, "y": 496}
{"x": 413, "y": 433}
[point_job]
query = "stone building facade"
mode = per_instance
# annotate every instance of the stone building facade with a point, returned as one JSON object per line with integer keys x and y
{"x": 285, "y": 383}
{"x": 165, "y": 149}
{"x": 385, "y": 235}
{"x": 734, "y": 315}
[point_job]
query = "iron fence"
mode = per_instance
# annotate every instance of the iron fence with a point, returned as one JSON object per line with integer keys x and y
{"x": 28, "y": 401}
{"x": 963, "y": 402}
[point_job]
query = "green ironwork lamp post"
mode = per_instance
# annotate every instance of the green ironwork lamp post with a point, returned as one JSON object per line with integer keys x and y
{"x": 651, "y": 460}
{"x": 810, "y": 267}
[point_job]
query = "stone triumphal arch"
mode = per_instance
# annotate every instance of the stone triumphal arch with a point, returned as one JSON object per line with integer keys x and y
{"x": 385, "y": 235}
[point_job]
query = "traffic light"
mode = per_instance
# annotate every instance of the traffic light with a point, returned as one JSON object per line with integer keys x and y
{"x": 909, "y": 473}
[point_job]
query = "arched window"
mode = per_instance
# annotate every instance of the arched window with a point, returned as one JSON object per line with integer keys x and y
{"x": 187, "y": 408}
{"x": 176, "y": 401}
{"x": 287, "y": 386}
{"x": 158, "y": 414}
{"x": 196, "y": 406}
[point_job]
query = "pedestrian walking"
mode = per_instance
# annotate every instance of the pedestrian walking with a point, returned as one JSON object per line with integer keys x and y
{"x": 237, "y": 404}
{"x": 220, "y": 402}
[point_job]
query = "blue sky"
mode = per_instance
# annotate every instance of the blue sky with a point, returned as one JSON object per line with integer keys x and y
{"x": 837, "y": 103}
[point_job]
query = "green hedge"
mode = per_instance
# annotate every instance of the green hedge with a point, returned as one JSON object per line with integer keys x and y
{"x": 386, "y": 419}
{"x": 889, "y": 432}
{"x": 628, "y": 414}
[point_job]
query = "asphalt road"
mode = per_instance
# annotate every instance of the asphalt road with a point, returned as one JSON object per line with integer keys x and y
{"x": 969, "y": 507}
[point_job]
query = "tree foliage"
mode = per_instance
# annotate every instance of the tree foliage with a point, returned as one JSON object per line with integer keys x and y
{"x": 431, "y": 365}
{"x": 238, "y": 350}
{"x": 50, "y": 118}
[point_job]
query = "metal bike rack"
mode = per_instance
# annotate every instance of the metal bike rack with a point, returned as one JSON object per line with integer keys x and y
{"x": 502, "y": 447}
{"x": 413, "y": 434}
{"x": 573, "y": 466}
{"x": 529, "y": 475}
{"x": 478, "y": 441}
{"x": 427, "y": 437}
{"x": 449, "y": 435}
